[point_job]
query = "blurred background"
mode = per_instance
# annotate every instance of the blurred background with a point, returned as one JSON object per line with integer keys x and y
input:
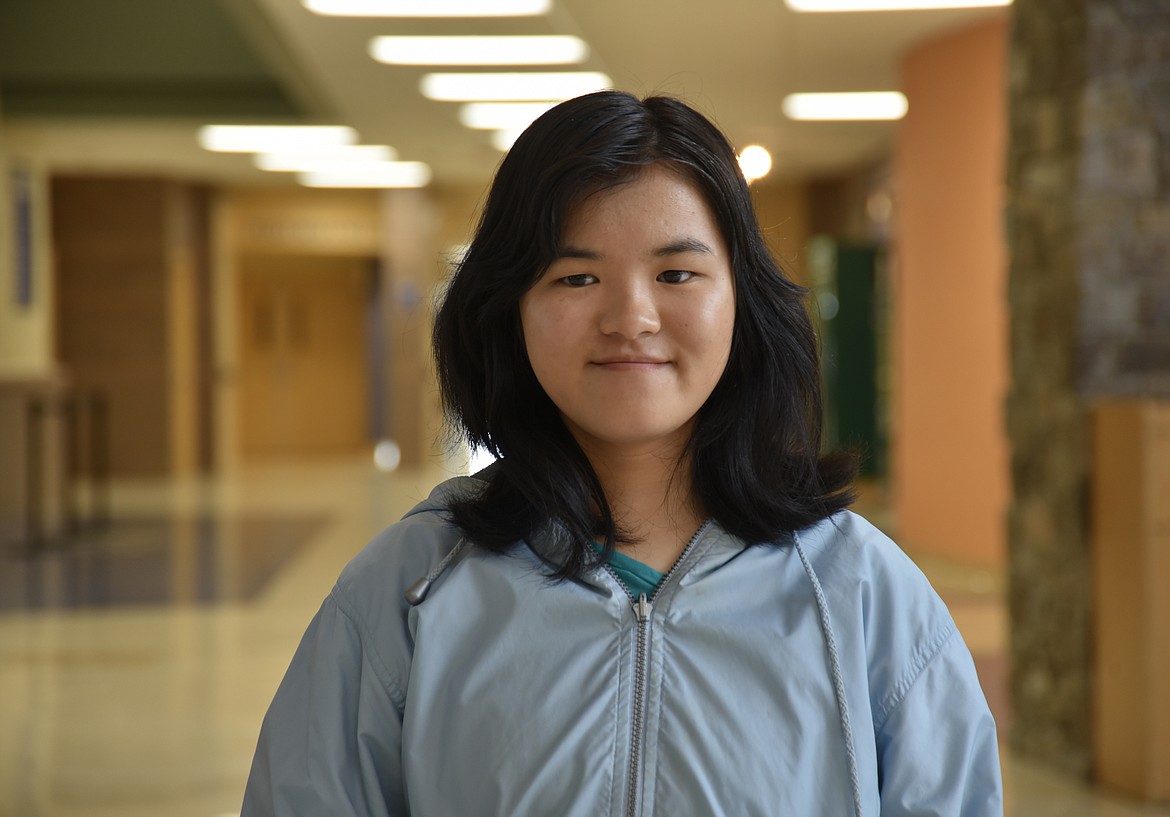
{"x": 214, "y": 374}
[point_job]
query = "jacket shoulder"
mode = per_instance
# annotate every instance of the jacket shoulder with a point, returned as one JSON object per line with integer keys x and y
{"x": 882, "y": 601}
{"x": 349, "y": 677}
{"x": 371, "y": 588}
{"x": 847, "y": 549}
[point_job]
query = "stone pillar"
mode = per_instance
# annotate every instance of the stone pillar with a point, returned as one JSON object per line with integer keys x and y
{"x": 1047, "y": 423}
{"x": 409, "y": 255}
{"x": 1088, "y": 221}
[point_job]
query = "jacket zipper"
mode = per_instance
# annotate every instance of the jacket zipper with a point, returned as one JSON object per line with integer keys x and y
{"x": 642, "y": 611}
{"x": 643, "y": 607}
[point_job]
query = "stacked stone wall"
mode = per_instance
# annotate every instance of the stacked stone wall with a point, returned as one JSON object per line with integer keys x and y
{"x": 1088, "y": 223}
{"x": 1125, "y": 200}
{"x": 1047, "y": 421}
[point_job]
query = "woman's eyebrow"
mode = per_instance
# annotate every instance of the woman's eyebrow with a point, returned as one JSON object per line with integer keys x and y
{"x": 683, "y": 245}
{"x": 676, "y": 247}
{"x": 577, "y": 252}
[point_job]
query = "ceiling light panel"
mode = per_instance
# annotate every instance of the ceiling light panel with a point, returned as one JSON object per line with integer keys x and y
{"x": 521, "y": 87}
{"x": 375, "y": 174}
{"x": 326, "y": 158}
{"x": 428, "y": 8}
{"x": 891, "y": 5}
{"x": 268, "y": 138}
{"x": 506, "y": 137}
{"x": 535, "y": 50}
{"x": 495, "y": 115}
{"x": 866, "y": 106}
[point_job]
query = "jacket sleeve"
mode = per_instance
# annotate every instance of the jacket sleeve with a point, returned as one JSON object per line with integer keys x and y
{"x": 937, "y": 749}
{"x": 330, "y": 743}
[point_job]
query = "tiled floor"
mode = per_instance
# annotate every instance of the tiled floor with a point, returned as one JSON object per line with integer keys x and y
{"x": 135, "y": 667}
{"x": 155, "y": 560}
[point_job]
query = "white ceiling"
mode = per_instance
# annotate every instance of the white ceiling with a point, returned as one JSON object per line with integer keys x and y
{"x": 733, "y": 59}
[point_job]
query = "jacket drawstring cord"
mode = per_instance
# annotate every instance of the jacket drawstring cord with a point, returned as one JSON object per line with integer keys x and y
{"x": 835, "y": 669}
{"x": 418, "y": 591}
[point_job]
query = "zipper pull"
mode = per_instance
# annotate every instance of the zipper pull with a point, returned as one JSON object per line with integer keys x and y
{"x": 642, "y": 608}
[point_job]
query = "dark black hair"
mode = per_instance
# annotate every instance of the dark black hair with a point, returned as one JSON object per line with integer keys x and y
{"x": 755, "y": 455}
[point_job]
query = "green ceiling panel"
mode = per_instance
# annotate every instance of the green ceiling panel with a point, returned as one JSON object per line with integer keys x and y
{"x": 131, "y": 57}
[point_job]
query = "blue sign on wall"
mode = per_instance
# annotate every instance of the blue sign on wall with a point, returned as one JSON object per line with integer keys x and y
{"x": 22, "y": 218}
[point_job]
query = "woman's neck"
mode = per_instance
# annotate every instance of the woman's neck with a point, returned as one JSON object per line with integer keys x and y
{"x": 651, "y": 496}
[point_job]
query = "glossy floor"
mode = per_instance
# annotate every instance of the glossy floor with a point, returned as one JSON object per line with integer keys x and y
{"x": 137, "y": 661}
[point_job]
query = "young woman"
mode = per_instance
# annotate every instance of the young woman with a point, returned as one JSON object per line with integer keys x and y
{"x": 655, "y": 602}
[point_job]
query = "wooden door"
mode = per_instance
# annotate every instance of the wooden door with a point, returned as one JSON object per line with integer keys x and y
{"x": 303, "y": 389}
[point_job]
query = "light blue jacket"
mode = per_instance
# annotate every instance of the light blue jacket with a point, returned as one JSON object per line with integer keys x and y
{"x": 818, "y": 676}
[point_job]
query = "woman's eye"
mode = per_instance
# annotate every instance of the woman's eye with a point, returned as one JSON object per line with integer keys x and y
{"x": 675, "y": 276}
{"x": 578, "y": 280}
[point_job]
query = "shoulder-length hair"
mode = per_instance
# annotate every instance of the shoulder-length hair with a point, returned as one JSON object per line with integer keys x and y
{"x": 755, "y": 455}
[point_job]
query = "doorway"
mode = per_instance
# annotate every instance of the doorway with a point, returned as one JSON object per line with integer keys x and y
{"x": 303, "y": 368}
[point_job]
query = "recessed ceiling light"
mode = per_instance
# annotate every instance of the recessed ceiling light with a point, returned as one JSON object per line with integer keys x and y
{"x": 534, "y": 87}
{"x": 496, "y": 115}
{"x": 890, "y": 5}
{"x": 268, "y": 138}
{"x": 326, "y": 158}
{"x": 536, "y": 50}
{"x": 755, "y": 162}
{"x": 374, "y": 174}
{"x": 871, "y": 105}
{"x": 428, "y": 8}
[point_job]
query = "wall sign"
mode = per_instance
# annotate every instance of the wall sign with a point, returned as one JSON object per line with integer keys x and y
{"x": 22, "y": 227}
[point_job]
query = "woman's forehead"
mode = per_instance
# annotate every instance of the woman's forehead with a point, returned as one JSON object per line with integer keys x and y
{"x": 602, "y": 198}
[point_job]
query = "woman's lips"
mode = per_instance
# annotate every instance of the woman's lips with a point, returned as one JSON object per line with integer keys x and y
{"x": 630, "y": 364}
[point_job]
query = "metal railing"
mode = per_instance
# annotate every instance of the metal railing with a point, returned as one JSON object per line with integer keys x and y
{"x": 84, "y": 413}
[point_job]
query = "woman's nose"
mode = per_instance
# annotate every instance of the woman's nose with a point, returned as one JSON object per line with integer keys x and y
{"x": 630, "y": 311}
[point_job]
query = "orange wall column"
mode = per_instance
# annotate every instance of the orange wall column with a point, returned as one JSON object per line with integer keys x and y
{"x": 949, "y": 449}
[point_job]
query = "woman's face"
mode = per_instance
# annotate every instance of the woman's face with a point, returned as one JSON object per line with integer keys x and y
{"x": 630, "y": 328}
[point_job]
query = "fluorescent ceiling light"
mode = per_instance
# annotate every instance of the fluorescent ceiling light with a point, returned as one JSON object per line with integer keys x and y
{"x": 535, "y": 50}
{"x": 504, "y": 138}
{"x": 890, "y": 5}
{"x": 267, "y": 138}
{"x": 326, "y": 158}
{"x": 496, "y": 115}
{"x": 374, "y": 174}
{"x": 845, "y": 106}
{"x": 428, "y": 8}
{"x": 755, "y": 162}
{"x": 534, "y": 87}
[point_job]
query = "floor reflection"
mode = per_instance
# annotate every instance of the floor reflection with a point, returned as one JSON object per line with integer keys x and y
{"x": 155, "y": 560}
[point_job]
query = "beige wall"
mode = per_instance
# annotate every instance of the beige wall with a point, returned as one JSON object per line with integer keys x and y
{"x": 949, "y": 450}
{"x": 28, "y": 374}
{"x": 26, "y": 348}
{"x": 411, "y": 259}
{"x": 458, "y": 208}
{"x": 782, "y": 210}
